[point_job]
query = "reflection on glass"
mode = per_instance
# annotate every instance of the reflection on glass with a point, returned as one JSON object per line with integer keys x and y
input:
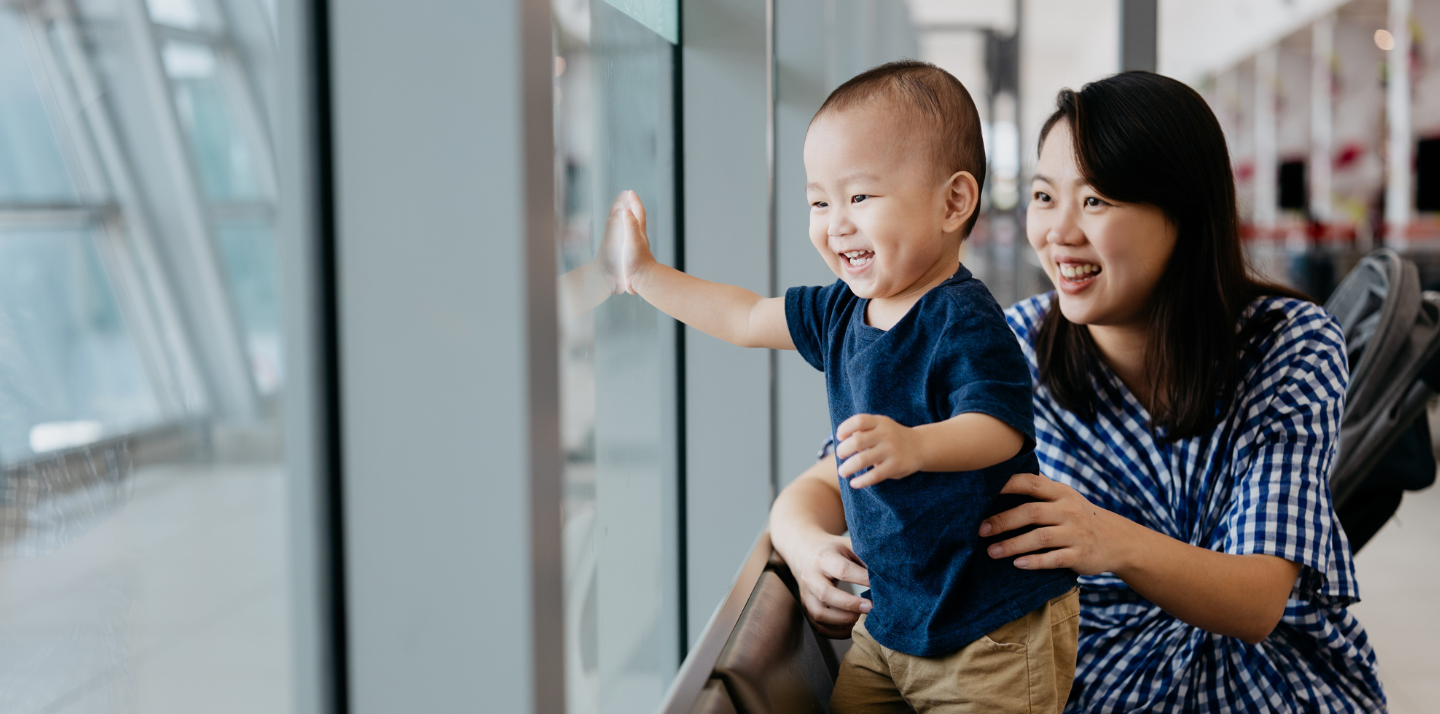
{"x": 227, "y": 170}
{"x": 248, "y": 252}
{"x": 614, "y": 130}
{"x": 32, "y": 169}
{"x": 68, "y": 368}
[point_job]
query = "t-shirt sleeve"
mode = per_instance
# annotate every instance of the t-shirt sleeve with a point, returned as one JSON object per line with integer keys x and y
{"x": 981, "y": 367}
{"x": 1281, "y": 503}
{"x": 809, "y": 311}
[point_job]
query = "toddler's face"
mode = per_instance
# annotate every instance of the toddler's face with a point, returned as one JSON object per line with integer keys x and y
{"x": 877, "y": 204}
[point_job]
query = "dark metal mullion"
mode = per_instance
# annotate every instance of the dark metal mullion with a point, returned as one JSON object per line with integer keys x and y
{"x": 321, "y": 131}
{"x": 677, "y": 99}
{"x": 772, "y": 257}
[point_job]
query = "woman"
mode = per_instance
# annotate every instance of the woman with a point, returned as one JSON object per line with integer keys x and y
{"x": 1186, "y": 417}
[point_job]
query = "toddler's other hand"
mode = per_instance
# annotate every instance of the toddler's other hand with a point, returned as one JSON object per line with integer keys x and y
{"x": 890, "y": 449}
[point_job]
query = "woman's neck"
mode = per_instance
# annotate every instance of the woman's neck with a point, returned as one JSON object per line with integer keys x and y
{"x": 1123, "y": 349}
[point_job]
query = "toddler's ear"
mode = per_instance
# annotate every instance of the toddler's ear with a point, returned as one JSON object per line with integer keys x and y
{"x": 962, "y": 199}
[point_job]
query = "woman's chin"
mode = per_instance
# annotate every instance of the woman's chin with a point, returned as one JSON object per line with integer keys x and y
{"x": 1077, "y": 311}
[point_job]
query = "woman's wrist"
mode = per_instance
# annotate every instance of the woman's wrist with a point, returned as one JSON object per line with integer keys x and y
{"x": 1127, "y": 544}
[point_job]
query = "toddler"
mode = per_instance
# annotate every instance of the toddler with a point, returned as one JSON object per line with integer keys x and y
{"x": 930, "y": 399}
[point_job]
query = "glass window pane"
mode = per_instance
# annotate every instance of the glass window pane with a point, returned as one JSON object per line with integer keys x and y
{"x": 69, "y": 371}
{"x": 614, "y": 127}
{"x": 248, "y": 250}
{"x": 149, "y": 572}
{"x": 32, "y": 169}
{"x": 227, "y": 169}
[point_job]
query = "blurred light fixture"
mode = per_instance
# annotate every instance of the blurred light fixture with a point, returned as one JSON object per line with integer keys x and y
{"x": 559, "y": 66}
{"x": 1384, "y": 40}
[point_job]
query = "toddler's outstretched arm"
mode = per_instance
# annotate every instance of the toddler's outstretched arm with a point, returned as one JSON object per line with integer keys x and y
{"x": 730, "y": 313}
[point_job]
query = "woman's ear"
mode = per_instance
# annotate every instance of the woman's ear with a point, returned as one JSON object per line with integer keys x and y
{"x": 962, "y": 199}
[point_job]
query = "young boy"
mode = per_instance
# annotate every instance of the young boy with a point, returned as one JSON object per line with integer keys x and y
{"x": 930, "y": 398}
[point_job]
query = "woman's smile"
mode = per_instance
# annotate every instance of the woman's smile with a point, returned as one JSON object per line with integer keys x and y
{"x": 1076, "y": 276}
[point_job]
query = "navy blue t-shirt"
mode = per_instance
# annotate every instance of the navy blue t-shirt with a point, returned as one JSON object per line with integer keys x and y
{"x": 933, "y": 587}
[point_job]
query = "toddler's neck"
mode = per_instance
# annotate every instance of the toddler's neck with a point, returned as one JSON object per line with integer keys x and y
{"x": 884, "y": 312}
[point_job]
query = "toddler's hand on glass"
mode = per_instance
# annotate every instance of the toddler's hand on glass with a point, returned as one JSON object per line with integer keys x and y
{"x": 628, "y": 240}
{"x": 611, "y": 255}
{"x": 879, "y": 443}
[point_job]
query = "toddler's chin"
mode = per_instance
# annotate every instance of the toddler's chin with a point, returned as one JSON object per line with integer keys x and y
{"x": 863, "y": 289}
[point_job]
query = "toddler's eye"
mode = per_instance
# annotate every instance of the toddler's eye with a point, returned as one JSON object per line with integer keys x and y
{"x": 857, "y": 199}
{"x": 819, "y": 204}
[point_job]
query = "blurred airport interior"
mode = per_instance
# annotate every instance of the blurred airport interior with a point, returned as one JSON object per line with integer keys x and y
{"x": 306, "y": 403}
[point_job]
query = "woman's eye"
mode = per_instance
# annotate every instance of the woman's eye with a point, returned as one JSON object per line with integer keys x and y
{"x": 1041, "y": 196}
{"x": 857, "y": 199}
{"x": 1092, "y": 202}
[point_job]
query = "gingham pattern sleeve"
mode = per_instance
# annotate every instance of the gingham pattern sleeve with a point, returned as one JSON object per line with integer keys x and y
{"x": 1281, "y": 503}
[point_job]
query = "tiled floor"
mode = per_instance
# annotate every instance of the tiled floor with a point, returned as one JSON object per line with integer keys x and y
{"x": 177, "y": 604}
{"x": 1399, "y": 573}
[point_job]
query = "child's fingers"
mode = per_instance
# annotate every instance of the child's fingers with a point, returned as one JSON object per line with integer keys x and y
{"x": 875, "y": 475}
{"x": 859, "y": 462}
{"x": 858, "y": 442}
{"x": 637, "y": 207}
{"x": 635, "y": 242}
{"x": 858, "y": 422}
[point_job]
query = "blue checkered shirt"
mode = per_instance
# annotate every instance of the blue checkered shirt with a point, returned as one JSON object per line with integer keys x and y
{"x": 1256, "y": 484}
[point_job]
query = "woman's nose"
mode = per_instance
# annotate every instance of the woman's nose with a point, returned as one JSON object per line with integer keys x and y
{"x": 1065, "y": 231}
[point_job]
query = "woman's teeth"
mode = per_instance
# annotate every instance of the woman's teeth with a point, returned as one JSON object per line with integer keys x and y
{"x": 1078, "y": 270}
{"x": 858, "y": 258}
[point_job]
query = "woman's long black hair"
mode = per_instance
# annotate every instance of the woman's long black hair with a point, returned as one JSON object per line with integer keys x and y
{"x": 1144, "y": 138}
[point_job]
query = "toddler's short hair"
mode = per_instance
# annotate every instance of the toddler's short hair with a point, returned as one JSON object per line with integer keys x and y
{"x": 931, "y": 98}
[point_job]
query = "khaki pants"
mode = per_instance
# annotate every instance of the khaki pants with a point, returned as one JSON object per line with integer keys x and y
{"x": 1023, "y": 666}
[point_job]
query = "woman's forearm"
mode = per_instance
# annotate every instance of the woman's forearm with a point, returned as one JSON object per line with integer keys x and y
{"x": 1240, "y": 596}
{"x": 807, "y": 513}
{"x": 807, "y": 523}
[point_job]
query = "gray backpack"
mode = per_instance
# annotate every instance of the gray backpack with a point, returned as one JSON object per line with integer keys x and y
{"x": 1392, "y": 337}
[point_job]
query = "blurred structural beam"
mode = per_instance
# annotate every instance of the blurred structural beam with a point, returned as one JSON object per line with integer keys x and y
{"x": 444, "y": 263}
{"x": 1139, "y": 22}
{"x": 1398, "y": 194}
{"x": 1266, "y": 142}
{"x": 1322, "y": 116}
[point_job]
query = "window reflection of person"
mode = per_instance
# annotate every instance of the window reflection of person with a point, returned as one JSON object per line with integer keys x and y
{"x": 1187, "y": 416}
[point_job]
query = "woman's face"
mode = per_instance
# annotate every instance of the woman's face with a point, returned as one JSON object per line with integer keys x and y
{"x": 1104, "y": 257}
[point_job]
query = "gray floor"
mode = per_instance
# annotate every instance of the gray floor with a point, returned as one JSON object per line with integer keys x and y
{"x": 178, "y": 604}
{"x": 1399, "y": 573}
